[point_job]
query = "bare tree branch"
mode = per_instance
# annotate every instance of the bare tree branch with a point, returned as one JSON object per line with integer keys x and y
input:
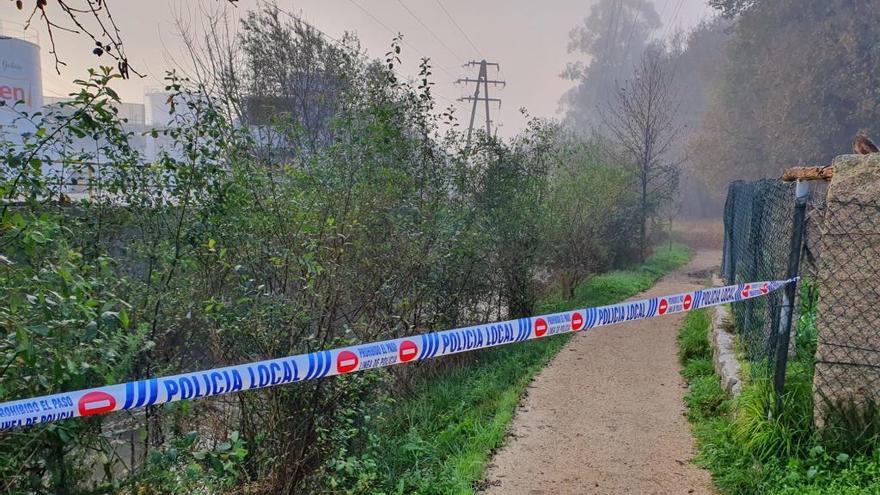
{"x": 91, "y": 18}
{"x": 642, "y": 122}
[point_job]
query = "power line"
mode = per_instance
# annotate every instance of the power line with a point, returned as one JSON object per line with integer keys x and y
{"x": 610, "y": 44}
{"x": 463, "y": 33}
{"x": 678, "y": 58}
{"x": 335, "y": 40}
{"x": 428, "y": 29}
{"x": 379, "y": 22}
{"x": 632, "y": 32}
{"x": 407, "y": 43}
{"x": 677, "y": 11}
{"x": 663, "y": 11}
{"x": 395, "y": 33}
{"x": 613, "y": 26}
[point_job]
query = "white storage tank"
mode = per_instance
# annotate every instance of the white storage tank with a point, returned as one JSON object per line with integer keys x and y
{"x": 20, "y": 77}
{"x": 157, "y": 111}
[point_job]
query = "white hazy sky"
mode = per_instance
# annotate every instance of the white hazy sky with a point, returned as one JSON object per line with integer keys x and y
{"x": 527, "y": 37}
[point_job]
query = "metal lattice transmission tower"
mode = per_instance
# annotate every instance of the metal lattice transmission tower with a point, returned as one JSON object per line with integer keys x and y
{"x": 482, "y": 81}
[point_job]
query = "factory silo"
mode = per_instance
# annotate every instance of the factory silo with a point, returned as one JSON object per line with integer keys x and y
{"x": 157, "y": 110}
{"x": 21, "y": 84}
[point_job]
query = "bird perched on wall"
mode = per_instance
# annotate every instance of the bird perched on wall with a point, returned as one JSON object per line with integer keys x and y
{"x": 864, "y": 146}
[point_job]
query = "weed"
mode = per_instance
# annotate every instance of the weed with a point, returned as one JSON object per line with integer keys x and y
{"x": 693, "y": 340}
{"x": 696, "y": 367}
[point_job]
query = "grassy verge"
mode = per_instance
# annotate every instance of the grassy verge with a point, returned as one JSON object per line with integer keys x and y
{"x": 439, "y": 439}
{"x": 748, "y": 452}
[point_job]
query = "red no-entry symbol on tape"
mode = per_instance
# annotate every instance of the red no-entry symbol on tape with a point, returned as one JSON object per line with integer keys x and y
{"x": 96, "y": 402}
{"x": 688, "y": 300}
{"x": 663, "y": 307}
{"x": 577, "y": 321}
{"x": 746, "y": 290}
{"x": 540, "y": 327}
{"x": 346, "y": 361}
{"x": 408, "y": 351}
{"x": 765, "y": 289}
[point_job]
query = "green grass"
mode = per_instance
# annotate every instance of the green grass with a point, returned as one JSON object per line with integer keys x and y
{"x": 693, "y": 340}
{"x": 439, "y": 440}
{"x": 750, "y": 452}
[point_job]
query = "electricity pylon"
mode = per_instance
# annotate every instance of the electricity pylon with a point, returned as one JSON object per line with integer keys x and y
{"x": 484, "y": 81}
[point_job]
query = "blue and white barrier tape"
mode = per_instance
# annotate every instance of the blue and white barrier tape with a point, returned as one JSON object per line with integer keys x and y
{"x": 271, "y": 372}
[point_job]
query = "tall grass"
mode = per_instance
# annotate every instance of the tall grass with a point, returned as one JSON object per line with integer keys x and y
{"x": 763, "y": 431}
{"x": 693, "y": 340}
{"x": 751, "y": 448}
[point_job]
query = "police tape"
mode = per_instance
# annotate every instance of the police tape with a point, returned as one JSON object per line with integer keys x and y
{"x": 320, "y": 364}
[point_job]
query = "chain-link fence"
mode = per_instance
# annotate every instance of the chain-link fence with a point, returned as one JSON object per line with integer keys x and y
{"x": 758, "y": 228}
{"x": 837, "y": 314}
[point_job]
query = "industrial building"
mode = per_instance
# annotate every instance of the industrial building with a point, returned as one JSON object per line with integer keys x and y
{"x": 21, "y": 95}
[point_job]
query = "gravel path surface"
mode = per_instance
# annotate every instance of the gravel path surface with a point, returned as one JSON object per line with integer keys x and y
{"x": 606, "y": 415}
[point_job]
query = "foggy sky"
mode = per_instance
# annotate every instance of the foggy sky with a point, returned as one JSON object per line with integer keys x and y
{"x": 527, "y": 37}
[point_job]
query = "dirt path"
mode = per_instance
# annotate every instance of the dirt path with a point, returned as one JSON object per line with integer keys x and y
{"x": 606, "y": 415}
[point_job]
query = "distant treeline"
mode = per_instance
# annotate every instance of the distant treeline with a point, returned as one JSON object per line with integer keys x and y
{"x": 767, "y": 85}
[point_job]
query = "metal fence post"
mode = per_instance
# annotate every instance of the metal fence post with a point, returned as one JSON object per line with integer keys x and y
{"x": 802, "y": 191}
{"x": 728, "y": 270}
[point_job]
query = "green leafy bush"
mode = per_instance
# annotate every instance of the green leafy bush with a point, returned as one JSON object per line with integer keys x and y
{"x": 615, "y": 286}
{"x": 357, "y": 213}
{"x": 185, "y": 465}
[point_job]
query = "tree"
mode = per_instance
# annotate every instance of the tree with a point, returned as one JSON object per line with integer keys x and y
{"x": 798, "y": 80}
{"x": 696, "y": 61}
{"x": 294, "y": 75}
{"x": 587, "y": 193}
{"x": 613, "y": 38}
{"x": 642, "y": 121}
{"x": 732, "y": 8}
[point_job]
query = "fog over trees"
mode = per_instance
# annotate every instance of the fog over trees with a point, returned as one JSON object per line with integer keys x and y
{"x": 767, "y": 85}
{"x": 311, "y": 197}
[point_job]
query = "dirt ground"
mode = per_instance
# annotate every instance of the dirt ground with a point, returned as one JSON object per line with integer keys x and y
{"x": 606, "y": 415}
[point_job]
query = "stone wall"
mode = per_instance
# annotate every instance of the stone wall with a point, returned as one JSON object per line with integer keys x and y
{"x": 848, "y": 273}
